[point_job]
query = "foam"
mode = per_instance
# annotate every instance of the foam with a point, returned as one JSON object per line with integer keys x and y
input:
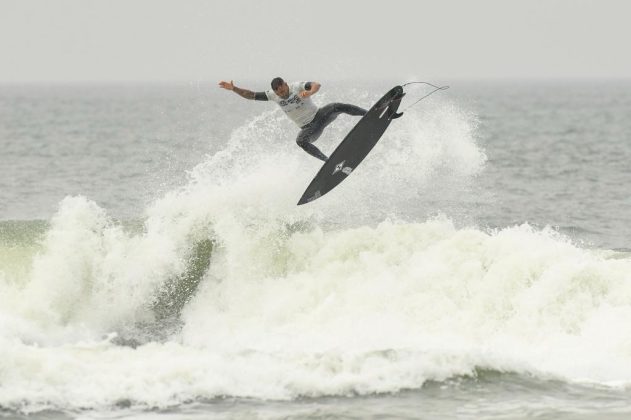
{"x": 333, "y": 298}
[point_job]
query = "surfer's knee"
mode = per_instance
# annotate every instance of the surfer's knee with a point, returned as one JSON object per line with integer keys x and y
{"x": 301, "y": 141}
{"x": 308, "y": 136}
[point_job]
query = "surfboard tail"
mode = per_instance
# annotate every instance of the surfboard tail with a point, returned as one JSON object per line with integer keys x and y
{"x": 394, "y": 103}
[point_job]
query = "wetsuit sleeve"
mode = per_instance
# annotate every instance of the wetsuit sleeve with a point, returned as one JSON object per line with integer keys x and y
{"x": 308, "y": 86}
{"x": 260, "y": 96}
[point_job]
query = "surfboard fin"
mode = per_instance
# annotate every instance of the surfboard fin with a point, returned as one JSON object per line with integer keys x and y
{"x": 396, "y": 115}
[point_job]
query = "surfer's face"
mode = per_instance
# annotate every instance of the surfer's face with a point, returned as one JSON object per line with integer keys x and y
{"x": 282, "y": 90}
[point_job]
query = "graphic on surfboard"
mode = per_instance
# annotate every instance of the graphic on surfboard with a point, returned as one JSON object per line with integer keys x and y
{"x": 355, "y": 146}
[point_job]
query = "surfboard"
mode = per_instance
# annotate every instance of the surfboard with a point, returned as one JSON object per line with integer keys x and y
{"x": 355, "y": 146}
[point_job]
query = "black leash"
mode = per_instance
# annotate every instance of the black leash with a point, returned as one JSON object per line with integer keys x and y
{"x": 436, "y": 89}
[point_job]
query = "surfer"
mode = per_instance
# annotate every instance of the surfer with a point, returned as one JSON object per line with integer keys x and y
{"x": 295, "y": 100}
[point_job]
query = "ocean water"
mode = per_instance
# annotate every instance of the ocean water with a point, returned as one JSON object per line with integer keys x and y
{"x": 154, "y": 264}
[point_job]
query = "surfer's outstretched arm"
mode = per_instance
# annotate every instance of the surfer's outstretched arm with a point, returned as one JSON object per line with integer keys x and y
{"x": 244, "y": 93}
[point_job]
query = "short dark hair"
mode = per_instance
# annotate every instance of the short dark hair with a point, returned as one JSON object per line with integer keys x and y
{"x": 277, "y": 82}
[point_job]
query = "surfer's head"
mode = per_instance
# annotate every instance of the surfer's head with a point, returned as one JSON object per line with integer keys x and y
{"x": 280, "y": 87}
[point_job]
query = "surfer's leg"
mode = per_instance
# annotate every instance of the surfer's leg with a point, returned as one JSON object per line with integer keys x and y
{"x": 348, "y": 109}
{"x": 325, "y": 116}
{"x": 308, "y": 135}
{"x": 328, "y": 113}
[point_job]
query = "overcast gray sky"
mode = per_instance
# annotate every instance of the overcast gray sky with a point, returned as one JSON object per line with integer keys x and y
{"x": 163, "y": 40}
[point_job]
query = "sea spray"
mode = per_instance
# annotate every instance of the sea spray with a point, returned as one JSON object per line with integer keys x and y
{"x": 229, "y": 289}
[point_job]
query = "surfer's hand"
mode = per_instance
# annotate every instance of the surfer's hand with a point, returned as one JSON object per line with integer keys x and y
{"x": 305, "y": 94}
{"x": 226, "y": 85}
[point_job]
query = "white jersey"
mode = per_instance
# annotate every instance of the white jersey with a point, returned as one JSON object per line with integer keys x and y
{"x": 299, "y": 110}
